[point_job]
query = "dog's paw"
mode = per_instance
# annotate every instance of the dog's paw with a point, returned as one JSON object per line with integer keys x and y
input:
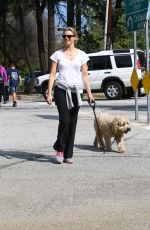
{"x": 121, "y": 149}
{"x": 123, "y": 152}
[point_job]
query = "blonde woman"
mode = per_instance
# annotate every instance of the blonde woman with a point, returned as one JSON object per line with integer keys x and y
{"x": 68, "y": 87}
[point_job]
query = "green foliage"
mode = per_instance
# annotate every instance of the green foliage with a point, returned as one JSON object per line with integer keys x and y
{"x": 141, "y": 39}
{"x": 90, "y": 42}
{"x": 92, "y": 30}
{"x": 122, "y": 39}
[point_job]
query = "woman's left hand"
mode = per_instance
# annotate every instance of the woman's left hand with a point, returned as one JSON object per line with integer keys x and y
{"x": 91, "y": 98}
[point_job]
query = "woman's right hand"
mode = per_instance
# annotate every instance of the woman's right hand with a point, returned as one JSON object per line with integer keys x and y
{"x": 49, "y": 99}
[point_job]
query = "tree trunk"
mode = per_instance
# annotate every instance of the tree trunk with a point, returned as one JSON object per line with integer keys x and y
{"x": 25, "y": 46}
{"x": 3, "y": 31}
{"x": 78, "y": 17}
{"x": 4, "y": 36}
{"x": 70, "y": 13}
{"x": 39, "y": 14}
{"x": 51, "y": 29}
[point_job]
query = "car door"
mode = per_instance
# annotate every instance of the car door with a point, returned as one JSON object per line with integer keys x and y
{"x": 123, "y": 68}
{"x": 99, "y": 67}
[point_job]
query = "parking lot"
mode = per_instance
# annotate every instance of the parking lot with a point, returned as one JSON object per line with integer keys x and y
{"x": 100, "y": 191}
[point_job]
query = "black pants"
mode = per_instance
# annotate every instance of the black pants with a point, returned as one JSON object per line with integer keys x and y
{"x": 67, "y": 122}
{"x": 1, "y": 91}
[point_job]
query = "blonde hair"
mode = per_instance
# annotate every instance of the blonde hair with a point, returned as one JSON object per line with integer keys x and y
{"x": 72, "y": 30}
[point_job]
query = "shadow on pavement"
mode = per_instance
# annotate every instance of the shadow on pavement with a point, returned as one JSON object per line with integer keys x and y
{"x": 24, "y": 156}
{"x": 50, "y": 117}
{"x": 93, "y": 149}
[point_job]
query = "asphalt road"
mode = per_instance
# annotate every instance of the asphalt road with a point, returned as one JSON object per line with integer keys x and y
{"x": 100, "y": 191}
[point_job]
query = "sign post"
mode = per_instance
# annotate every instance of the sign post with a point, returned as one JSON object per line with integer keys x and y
{"x": 136, "y": 13}
{"x": 148, "y": 70}
{"x": 135, "y": 67}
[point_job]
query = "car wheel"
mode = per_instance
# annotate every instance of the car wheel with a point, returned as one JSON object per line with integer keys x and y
{"x": 113, "y": 90}
{"x": 45, "y": 91}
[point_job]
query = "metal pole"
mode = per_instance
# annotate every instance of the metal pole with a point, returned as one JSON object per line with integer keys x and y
{"x": 109, "y": 30}
{"x": 135, "y": 67}
{"x": 106, "y": 25}
{"x": 148, "y": 67}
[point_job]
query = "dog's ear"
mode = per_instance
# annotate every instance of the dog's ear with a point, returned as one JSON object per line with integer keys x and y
{"x": 126, "y": 120}
{"x": 119, "y": 121}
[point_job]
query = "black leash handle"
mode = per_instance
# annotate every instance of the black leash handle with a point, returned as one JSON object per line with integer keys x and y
{"x": 92, "y": 104}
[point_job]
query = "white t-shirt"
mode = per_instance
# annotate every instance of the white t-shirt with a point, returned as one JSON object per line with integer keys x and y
{"x": 70, "y": 71}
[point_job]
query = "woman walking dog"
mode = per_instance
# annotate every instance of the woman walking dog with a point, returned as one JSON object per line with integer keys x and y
{"x": 72, "y": 67}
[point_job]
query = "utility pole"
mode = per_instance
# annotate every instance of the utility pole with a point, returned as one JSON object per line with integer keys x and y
{"x": 109, "y": 39}
{"x": 108, "y": 30}
{"x": 148, "y": 67}
{"x": 106, "y": 25}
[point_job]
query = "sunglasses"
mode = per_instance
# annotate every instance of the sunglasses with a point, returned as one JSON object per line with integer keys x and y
{"x": 68, "y": 36}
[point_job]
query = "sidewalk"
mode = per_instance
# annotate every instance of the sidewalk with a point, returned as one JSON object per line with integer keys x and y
{"x": 39, "y": 97}
{"x": 100, "y": 191}
{"x": 30, "y": 97}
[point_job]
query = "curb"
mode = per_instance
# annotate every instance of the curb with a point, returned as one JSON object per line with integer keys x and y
{"x": 31, "y": 97}
{"x": 95, "y": 95}
{"x": 39, "y": 97}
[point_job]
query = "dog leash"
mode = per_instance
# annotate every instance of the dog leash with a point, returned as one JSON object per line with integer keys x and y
{"x": 93, "y": 105}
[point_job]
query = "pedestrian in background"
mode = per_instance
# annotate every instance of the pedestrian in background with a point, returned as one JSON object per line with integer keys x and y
{"x": 14, "y": 81}
{"x": 3, "y": 81}
{"x": 6, "y": 89}
{"x": 68, "y": 87}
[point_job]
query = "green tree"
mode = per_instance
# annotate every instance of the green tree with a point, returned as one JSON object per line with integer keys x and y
{"x": 3, "y": 50}
{"x": 93, "y": 22}
{"x": 20, "y": 9}
{"x": 28, "y": 28}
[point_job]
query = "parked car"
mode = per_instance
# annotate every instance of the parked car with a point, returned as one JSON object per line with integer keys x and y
{"x": 27, "y": 80}
{"x": 110, "y": 72}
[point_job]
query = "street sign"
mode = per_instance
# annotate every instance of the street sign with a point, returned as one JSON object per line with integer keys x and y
{"x": 136, "y": 11}
{"x": 134, "y": 80}
{"x": 146, "y": 82}
{"x": 135, "y": 5}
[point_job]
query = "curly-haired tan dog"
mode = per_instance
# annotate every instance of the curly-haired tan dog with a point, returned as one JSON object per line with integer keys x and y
{"x": 111, "y": 126}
